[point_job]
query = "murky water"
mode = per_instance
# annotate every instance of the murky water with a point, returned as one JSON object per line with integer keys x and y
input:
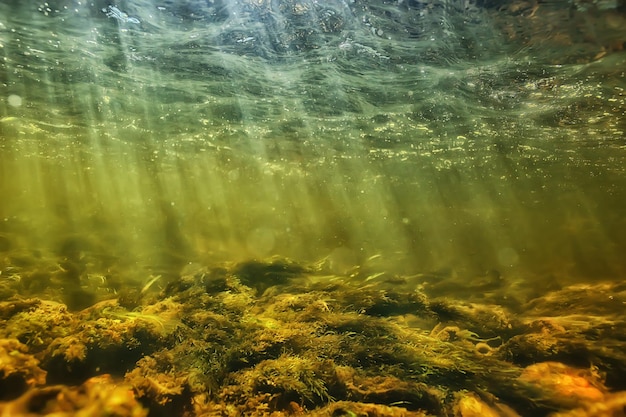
{"x": 412, "y": 137}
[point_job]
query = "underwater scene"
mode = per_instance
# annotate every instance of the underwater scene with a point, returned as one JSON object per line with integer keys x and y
{"x": 342, "y": 208}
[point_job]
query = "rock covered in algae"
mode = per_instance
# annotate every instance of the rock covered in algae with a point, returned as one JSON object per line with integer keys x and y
{"x": 98, "y": 396}
{"x": 18, "y": 370}
{"x": 469, "y": 404}
{"x": 563, "y": 385}
{"x": 218, "y": 342}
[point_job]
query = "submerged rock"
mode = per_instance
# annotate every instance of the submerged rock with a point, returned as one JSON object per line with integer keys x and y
{"x": 277, "y": 338}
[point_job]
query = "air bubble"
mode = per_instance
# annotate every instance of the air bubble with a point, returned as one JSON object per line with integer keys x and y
{"x": 14, "y": 100}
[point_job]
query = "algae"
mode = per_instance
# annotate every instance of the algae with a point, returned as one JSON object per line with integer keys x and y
{"x": 302, "y": 343}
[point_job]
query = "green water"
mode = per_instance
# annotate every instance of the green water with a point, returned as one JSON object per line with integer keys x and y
{"x": 403, "y": 136}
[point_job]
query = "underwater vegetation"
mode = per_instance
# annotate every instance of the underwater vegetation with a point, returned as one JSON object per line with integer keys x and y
{"x": 225, "y": 112}
{"x": 274, "y": 338}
